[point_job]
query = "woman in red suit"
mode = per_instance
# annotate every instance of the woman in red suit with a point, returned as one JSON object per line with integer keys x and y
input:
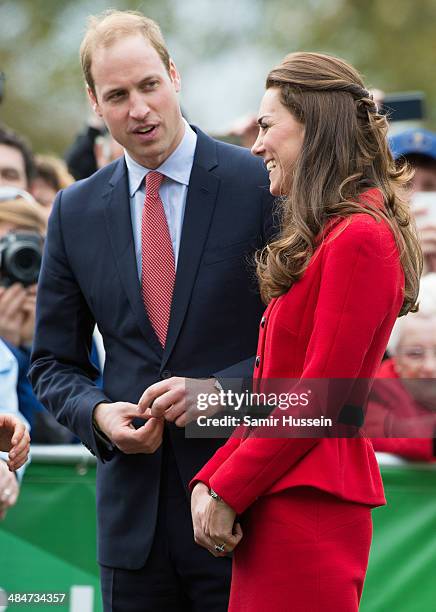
{"x": 345, "y": 265}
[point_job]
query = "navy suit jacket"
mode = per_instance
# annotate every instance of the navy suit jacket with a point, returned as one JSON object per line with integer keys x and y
{"x": 89, "y": 275}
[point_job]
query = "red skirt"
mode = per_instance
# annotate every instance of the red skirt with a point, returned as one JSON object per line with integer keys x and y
{"x": 303, "y": 550}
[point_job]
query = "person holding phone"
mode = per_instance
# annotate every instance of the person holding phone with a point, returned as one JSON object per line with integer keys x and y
{"x": 417, "y": 147}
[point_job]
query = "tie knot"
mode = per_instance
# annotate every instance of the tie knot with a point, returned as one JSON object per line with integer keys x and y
{"x": 153, "y": 181}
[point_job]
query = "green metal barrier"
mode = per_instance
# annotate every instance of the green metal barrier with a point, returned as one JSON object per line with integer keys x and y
{"x": 47, "y": 542}
{"x": 402, "y": 568}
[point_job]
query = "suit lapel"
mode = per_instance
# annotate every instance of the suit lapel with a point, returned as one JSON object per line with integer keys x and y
{"x": 200, "y": 205}
{"x": 119, "y": 228}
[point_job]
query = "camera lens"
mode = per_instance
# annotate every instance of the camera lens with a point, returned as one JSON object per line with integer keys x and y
{"x": 26, "y": 263}
{"x": 20, "y": 257}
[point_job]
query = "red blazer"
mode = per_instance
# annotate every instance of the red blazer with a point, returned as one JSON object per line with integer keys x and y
{"x": 392, "y": 411}
{"x": 334, "y": 322}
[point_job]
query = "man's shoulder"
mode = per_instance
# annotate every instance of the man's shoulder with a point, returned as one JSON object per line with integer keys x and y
{"x": 242, "y": 154}
{"x": 232, "y": 158}
{"x": 96, "y": 183}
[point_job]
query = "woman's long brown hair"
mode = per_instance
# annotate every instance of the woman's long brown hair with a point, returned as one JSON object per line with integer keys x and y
{"x": 345, "y": 152}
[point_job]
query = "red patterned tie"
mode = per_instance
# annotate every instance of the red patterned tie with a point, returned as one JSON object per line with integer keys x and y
{"x": 158, "y": 267}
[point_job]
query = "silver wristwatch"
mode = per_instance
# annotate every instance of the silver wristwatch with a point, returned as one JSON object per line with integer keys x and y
{"x": 215, "y": 495}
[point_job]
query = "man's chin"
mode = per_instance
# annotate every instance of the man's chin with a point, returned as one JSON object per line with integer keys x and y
{"x": 149, "y": 155}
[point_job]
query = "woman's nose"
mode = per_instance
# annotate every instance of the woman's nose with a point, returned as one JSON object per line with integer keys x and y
{"x": 258, "y": 148}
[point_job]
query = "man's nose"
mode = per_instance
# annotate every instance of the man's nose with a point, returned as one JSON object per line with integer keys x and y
{"x": 258, "y": 148}
{"x": 139, "y": 108}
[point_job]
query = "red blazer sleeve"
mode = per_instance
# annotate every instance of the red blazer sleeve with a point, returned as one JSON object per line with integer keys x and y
{"x": 361, "y": 282}
{"x": 214, "y": 462}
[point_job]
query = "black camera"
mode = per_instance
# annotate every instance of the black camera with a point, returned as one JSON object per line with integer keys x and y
{"x": 20, "y": 258}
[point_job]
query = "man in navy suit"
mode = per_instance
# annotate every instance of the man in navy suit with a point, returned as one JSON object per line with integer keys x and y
{"x": 217, "y": 212}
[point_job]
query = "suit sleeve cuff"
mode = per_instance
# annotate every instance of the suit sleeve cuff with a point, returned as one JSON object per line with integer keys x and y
{"x": 100, "y": 445}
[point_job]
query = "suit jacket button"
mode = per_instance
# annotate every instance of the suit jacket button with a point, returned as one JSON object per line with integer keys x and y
{"x": 257, "y": 362}
{"x": 263, "y": 321}
{"x": 166, "y": 374}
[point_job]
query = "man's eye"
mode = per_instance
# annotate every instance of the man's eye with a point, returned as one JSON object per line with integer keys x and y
{"x": 116, "y": 96}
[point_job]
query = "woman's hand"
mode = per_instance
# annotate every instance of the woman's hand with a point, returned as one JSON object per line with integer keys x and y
{"x": 214, "y": 522}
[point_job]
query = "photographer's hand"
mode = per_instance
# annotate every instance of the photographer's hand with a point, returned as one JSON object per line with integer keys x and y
{"x": 11, "y": 313}
{"x": 29, "y": 311}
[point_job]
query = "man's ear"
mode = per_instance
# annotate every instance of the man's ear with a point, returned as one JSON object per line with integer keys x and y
{"x": 93, "y": 101}
{"x": 175, "y": 76}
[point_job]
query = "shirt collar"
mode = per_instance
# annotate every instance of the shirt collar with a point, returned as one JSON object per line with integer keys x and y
{"x": 177, "y": 166}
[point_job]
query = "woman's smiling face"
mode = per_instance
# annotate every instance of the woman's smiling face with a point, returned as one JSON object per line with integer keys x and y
{"x": 279, "y": 141}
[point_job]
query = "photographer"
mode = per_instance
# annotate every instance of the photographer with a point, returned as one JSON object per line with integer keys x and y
{"x": 22, "y": 227}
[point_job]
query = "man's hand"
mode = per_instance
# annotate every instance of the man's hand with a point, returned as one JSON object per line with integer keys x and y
{"x": 115, "y": 420}
{"x": 214, "y": 522}
{"x": 175, "y": 399}
{"x": 11, "y": 312}
{"x": 9, "y": 489}
{"x": 14, "y": 438}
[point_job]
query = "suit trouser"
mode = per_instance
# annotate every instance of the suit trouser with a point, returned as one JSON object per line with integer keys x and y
{"x": 178, "y": 576}
{"x": 303, "y": 550}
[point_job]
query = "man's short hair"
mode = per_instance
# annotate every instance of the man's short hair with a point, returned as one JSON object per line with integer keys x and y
{"x": 11, "y": 139}
{"x": 104, "y": 29}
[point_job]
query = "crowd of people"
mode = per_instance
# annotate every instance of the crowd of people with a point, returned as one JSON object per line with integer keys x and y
{"x": 28, "y": 186}
{"x": 68, "y": 357}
